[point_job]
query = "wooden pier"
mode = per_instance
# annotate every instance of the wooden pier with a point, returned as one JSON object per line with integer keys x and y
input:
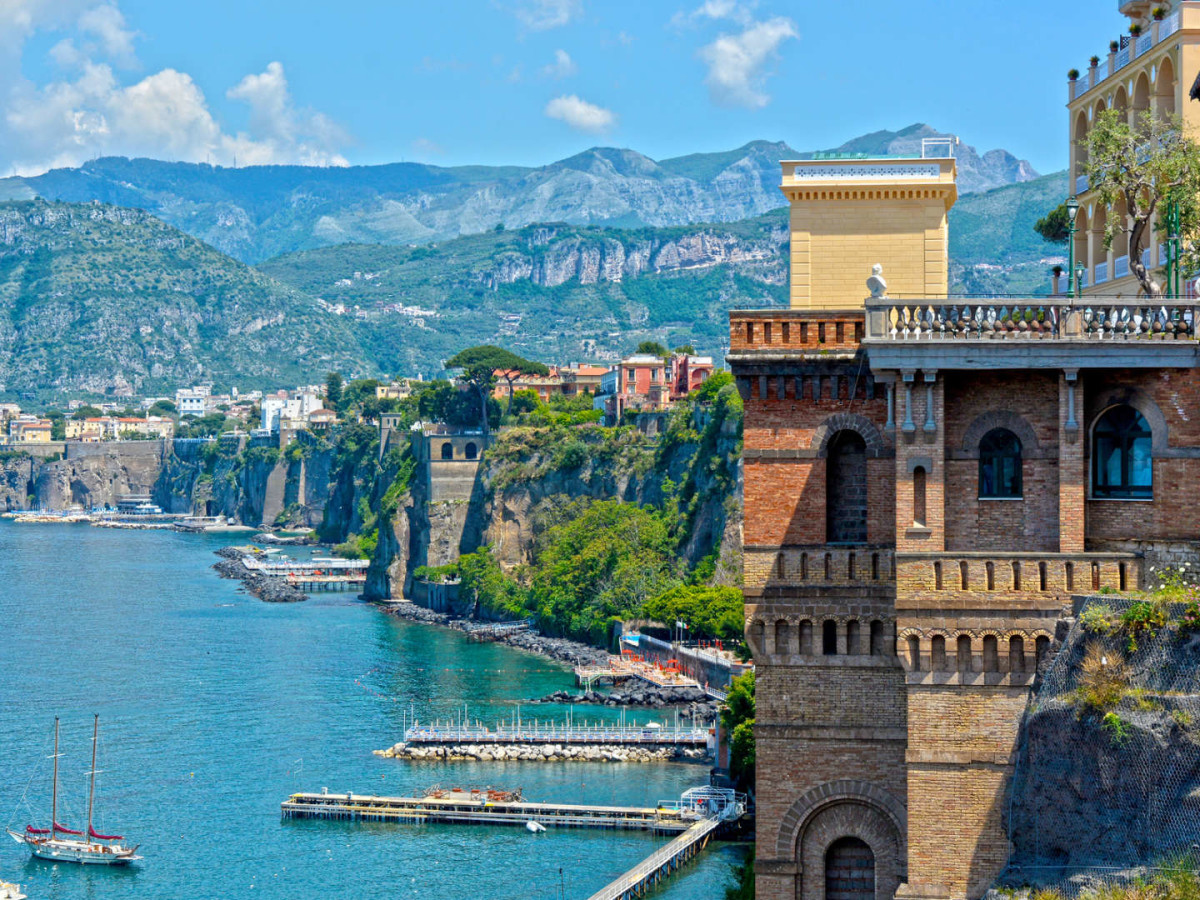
{"x": 661, "y": 864}
{"x": 475, "y": 809}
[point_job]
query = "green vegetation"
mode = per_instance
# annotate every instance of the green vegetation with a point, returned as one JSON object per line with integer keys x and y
{"x": 1144, "y": 166}
{"x": 106, "y": 297}
{"x": 1103, "y": 679}
{"x": 333, "y": 391}
{"x": 737, "y": 721}
{"x": 743, "y": 887}
{"x": 1172, "y": 879}
{"x": 1054, "y": 227}
{"x": 710, "y": 612}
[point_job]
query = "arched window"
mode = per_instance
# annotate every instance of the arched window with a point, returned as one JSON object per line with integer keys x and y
{"x": 1000, "y": 464}
{"x": 470, "y": 451}
{"x": 1121, "y": 460}
{"x": 846, "y": 489}
{"x": 829, "y": 638}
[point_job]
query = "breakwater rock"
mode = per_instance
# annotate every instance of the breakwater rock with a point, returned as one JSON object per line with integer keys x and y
{"x": 561, "y": 649}
{"x": 269, "y": 590}
{"x": 698, "y": 705}
{"x": 541, "y": 752}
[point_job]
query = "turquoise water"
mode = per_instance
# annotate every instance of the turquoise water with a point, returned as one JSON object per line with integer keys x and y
{"x": 214, "y": 707}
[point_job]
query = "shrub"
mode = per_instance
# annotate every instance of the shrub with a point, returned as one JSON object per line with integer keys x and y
{"x": 1142, "y": 618}
{"x": 1097, "y": 619}
{"x": 1103, "y": 679}
{"x": 1116, "y": 728}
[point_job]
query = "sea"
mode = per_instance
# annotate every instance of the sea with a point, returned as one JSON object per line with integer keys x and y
{"x": 214, "y": 707}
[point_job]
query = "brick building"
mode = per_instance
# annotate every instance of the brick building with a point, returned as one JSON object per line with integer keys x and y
{"x": 927, "y": 483}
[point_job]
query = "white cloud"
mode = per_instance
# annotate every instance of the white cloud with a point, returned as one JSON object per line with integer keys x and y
{"x": 562, "y": 67}
{"x": 581, "y": 115}
{"x": 107, "y": 25}
{"x": 715, "y": 9}
{"x": 541, "y": 15}
{"x": 163, "y": 115}
{"x": 737, "y": 63}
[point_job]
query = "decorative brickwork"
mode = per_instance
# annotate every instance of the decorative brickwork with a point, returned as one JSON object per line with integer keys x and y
{"x": 899, "y": 605}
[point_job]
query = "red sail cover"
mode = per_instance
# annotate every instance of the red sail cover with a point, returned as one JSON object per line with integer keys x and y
{"x": 65, "y": 830}
{"x": 105, "y": 837}
{"x": 33, "y": 830}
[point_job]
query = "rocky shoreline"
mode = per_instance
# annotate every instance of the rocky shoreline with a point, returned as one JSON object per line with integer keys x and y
{"x": 698, "y": 705}
{"x": 541, "y": 753}
{"x": 269, "y": 590}
{"x": 560, "y": 649}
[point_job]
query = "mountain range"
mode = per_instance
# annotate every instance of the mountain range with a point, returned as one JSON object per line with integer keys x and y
{"x": 253, "y": 214}
{"x": 100, "y": 296}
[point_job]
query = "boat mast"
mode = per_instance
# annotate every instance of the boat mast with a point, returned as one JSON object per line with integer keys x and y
{"x": 54, "y": 789}
{"x": 92, "y": 788}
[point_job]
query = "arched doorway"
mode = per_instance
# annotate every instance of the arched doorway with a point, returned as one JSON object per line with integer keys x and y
{"x": 846, "y": 489}
{"x": 470, "y": 450}
{"x": 447, "y": 450}
{"x": 849, "y": 870}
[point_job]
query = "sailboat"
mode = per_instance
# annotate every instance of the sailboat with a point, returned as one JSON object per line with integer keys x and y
{"x": 90, "y": 847}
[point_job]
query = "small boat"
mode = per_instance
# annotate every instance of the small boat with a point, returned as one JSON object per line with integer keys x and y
{"x": 10, "y": 891}
{"x": 91, "y": 848}
{"x": 534, "y": 827}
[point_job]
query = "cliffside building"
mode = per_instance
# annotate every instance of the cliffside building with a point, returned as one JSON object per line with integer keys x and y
{"x": 927, "y": 482}
{"x": 1149, "y": 72}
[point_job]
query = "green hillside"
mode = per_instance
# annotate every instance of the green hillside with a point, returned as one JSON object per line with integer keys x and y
{"x": 107, "y": 300}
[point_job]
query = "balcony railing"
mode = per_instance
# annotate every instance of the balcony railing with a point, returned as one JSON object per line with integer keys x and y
{"x": 1132, "y": 50}
{"x": 1146, "y": 258}
{"x": 1090, "y": 319}
{"x": 1101, "y": 272}
{"x": 1120, "y": 267}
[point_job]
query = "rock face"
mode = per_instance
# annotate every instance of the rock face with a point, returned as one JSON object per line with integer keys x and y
{"x": 98, "y": 475}
{"x": 16, "y": 482}
{"x": 253, "y": 215}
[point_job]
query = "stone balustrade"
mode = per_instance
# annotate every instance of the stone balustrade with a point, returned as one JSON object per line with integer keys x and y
{"x": 1091, "y": 319}
{"x": 1017, "y": 579}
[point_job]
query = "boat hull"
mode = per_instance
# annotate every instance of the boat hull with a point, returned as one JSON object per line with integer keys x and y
{"x": 82, "y": 852}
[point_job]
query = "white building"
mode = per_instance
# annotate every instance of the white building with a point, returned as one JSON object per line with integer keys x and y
{"x": 192, "y": 401}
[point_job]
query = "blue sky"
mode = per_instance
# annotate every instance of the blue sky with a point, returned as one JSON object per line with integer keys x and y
{"x": 526, "y": 81}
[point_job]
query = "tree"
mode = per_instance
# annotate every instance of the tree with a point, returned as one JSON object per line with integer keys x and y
{"x": 479, "y": 367}
{"x": 333, "y": 390}
{"x": 737, "y": 720}
{"x": 1144, "y": 167}
{"x": 1054, "y": 227}
{"x": 686, "y": 350}
{"x": 653, "y": 348}
{"x": 87, "y": 412}
{"x": 162, "y": 408}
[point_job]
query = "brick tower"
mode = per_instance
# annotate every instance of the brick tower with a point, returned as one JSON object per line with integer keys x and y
{"x": 928, "y": 481}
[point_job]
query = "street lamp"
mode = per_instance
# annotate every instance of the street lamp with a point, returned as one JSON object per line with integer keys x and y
{"x": 1072, "y": 211}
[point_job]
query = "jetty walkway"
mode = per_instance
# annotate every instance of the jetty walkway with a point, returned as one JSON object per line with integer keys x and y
{"x": 471, "y": 808}
{"x": 557, "y": 733}
{"x": 694, "y": 818}
{"x": 660, "y": 864}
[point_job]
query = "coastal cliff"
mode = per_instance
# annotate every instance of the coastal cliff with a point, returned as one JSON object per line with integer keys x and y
{"x": 531, "y": 477}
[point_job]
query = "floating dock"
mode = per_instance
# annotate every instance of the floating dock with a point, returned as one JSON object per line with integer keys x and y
{"x": 474, "y": 809}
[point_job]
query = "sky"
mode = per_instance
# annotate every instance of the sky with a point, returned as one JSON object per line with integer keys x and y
{"x": 527, "y": 82}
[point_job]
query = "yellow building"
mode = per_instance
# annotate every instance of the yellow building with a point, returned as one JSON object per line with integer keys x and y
{"x": 849, "y": 214}
{"x": 1142, "y": 73}
{"x": 29, "y": 431}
